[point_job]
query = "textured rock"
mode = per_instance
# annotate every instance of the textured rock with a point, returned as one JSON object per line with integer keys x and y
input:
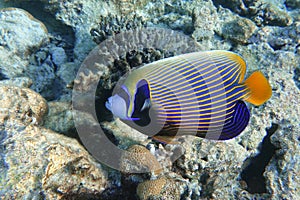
{"x": 205, "y": 21}
{"x": 41, "y": 163}
{"x": 129, "y": 6}
{"x": 65, "y": 17}
{"x": 21, "y": 103}
{"x": 209, "y": 165}
{"x": 18, "y": 81}
{"x": 236, "y": 6}
{"x": 293, "y": 3}
{"x": 138, "y": 159}
{"x": 235, "y": 28}
{"x": 20, "y": 35}
{"x": 279, "y": 38}
{"x": 207, "y": 24}
{"x": 161, "y": 189}
{"x": 270, "y": 14}
{"x": 50, "y": 70}
{"x": 58, "y": 56}
{"x": 280, "y": 66}
{"x": 21, "y": 32}
{"x": 125, "y": 134}
{"x": 112, "y": 24}
{"x": 80, "y": 15}
{"x": 239, "y": 30}
{"x": 263, "y": 12}
{"x": 283, "y": 171}
{"x": 44, "y": 79}
{"x": 24, "y": 52}
{"x": 67, "y": 72}
{"x": 36, "y": 162}
{"x": 60, "y": 118}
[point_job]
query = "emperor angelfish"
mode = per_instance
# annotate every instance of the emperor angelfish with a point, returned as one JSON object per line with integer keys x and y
{"x": 200, "y": 93}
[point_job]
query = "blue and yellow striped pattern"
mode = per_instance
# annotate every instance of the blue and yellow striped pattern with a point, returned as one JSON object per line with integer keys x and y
{"x": 200, "y": 92}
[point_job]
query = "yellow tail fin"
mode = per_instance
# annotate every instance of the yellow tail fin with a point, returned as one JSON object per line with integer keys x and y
{"x": 260, "y": 89}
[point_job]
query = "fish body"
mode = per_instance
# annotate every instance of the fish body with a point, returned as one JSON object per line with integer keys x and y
{"x": 200, "y": 93}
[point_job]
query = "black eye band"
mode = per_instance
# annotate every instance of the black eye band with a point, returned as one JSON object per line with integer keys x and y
{"x": 123, "y": 93}
{"x": 141, "y": 95}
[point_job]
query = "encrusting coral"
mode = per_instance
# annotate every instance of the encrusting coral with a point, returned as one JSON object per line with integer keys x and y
{"x": 162, "y": 188}
{"x": 138, "y": 158}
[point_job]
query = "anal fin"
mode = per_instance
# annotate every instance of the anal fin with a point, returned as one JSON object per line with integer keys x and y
{"x": 238, "y": 122}
{"x": 165, "y": 139}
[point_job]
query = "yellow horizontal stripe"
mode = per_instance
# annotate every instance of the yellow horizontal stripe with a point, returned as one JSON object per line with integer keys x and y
{"x": 175, "y": 66}
{"x": 182, "y": 96}
{"x": 213, "y": 97}
{"x": 162, "y": 99}
{"x": 199, "y": 126}
{"x": 195, "y": 96}
{"x": 183, "y": 116}
{"x": 206, "y": 109}
{"x": 210, "y": 122}
{"x": 177, "y": 82}
{"x": 217, "y": 101}
{"x": 208, "y": 57}
{"x": 233, "y": 95}
{"x": 162, "y": 79}
{"x": 204, "y": 114}
{"x": 166, "y": 66}
{"x": 184, "y": 60}
{"x": 189, "y": 64}
{"x": 186, "y": 119}
{"x": 163, "y": 92}
{"x": 159, "y": 68}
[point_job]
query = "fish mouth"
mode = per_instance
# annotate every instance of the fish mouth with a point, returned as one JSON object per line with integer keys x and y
{"x": 108, "y": 104}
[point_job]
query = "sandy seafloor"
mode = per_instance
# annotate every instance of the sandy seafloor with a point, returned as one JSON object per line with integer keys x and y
{"x": 45, "y": 45}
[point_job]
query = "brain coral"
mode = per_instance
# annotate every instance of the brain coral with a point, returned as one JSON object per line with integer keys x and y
{"x": 162, "y": 188}
{"x": 138, "y": 158}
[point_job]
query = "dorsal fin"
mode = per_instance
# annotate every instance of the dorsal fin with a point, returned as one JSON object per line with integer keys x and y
{"x": 235, "y": 58}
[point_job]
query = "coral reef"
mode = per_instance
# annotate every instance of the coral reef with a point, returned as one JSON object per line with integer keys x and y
{"x": 262, "y": 12}
{"x": 282, "y": 174}
{"x": 138, "y": 159}
{"x": 205, "y": 20}
{"x": 238, "y": 29}
{"x": 60, "y": 118}
{"x": 18, "y": 81}
{"x": 38, "y": 69}
{"x": 162, "y": 188}
{"x": 114, "y": 24}
{"x": 37, "y": 162}
{"x": 293, "y": 4}
{"x": 126, "y": 7}
{"x": 20, "y": 35}
{"x": 23, "y": 104}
